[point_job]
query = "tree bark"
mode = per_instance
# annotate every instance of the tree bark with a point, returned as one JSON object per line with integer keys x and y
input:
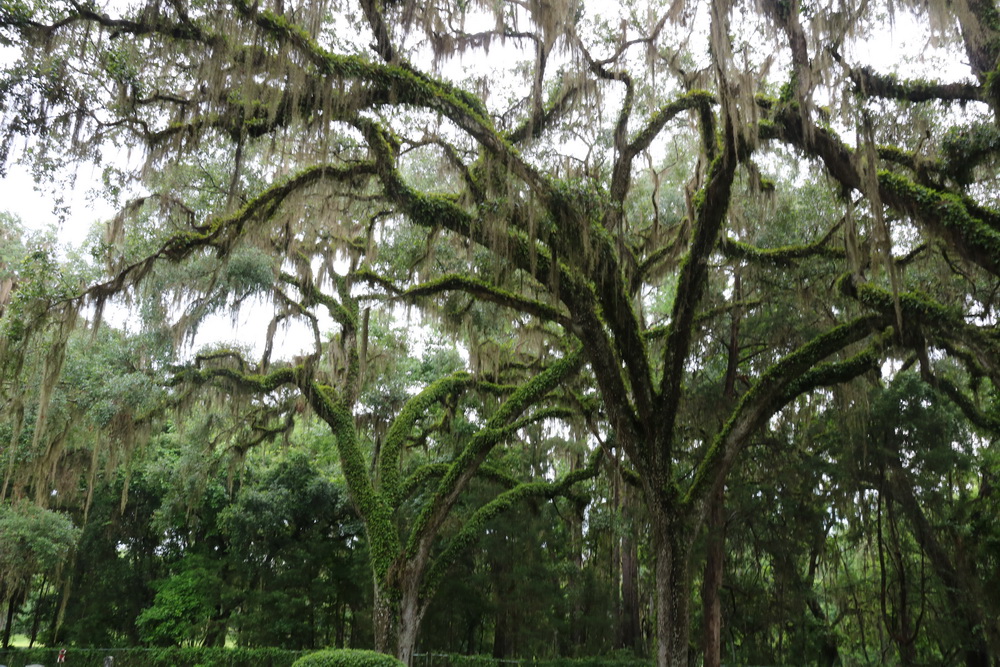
{"x": 630, "y": 635}
{"x": 500, "y": 571}
{"x": 382, "y": 620}
{"x": 712, "y": 581}
{"x": 9, "y": 621}
{"x": 411, "y": 612}
{"x": 671, "y": 544}
{"x": 397, "y": 613}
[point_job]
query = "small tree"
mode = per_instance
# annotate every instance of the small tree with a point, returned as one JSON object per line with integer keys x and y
{"x": 33, "y": 541}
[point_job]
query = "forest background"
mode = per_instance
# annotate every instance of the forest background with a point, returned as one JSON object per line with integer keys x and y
{"x": 713, "y": 364}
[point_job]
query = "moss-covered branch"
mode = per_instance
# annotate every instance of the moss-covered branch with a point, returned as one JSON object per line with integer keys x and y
{"x": 249, "y": 383}
{"x": 978, "y": 347}
{"x": 711, "y": 206}
{"x": 944, "y": 214}
{"x": 464, "y": 467}
{"x": 376, "y": 513}
{"x": 695, "y": 99}
{"x": 431, "y": 471}
{"x": 796, "y": 373}
{"x": 947, "y": 216}
{"x": 475, "y": 526}
{"x": 889, "y": 86}
{"x": 399, "y": 83}
{"x": 402, "y": 426}
{"x": 487, "y": 292}
{"x": 779, "y": 257}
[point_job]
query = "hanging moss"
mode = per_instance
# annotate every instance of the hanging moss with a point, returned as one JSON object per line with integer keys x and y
{"x": 402, "y": 83}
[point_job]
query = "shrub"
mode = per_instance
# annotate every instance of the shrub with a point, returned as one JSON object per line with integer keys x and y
{"x": 344, "y": 657}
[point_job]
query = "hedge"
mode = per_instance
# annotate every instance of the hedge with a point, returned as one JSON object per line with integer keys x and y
{"x": 152, "y": 657}
{"x": 274, "y": 657}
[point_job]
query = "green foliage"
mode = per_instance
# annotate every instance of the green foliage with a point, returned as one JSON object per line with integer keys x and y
{"x": 184, "y": 604}
{"x": 965, "y": 148}
{"x": 295, "y": 548}
{"x": 33, "y": 540}
{"x": 120, "y": 554}
{"x": 249, "y": 271}
{"x": 347, "y": 658}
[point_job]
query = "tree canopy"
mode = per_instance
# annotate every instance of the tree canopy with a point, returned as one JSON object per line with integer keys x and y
{"x": 678, "y": 233}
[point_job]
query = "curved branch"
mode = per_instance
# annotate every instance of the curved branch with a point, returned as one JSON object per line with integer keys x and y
{"x": 783, "y": 257}
{"x": 464, "y": 467}
{"x": 390, "y": 480}
{"x": 247, "y": 382}
{"x": 222, "y": 232}
{"x": 487, "y": 292}
{"x": 984, "y": 421}
{"x": 796, "y": 373}
{"x": 430, "y": 471}
{"x": 475, "y": 526}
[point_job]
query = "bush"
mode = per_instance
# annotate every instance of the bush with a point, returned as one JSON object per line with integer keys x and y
{"x": 344, "y": 657}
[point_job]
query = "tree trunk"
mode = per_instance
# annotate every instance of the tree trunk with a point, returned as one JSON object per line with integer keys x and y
{"x": 712, "y": 582}
{"x": 383, "y": 613}
{"x": 411, "y": 612}
{"x": 397, "y": 619}
{"x": 501, "y": 573}
{"x": 577, "y": 629}
{"x": 500, "y": 634}
{"x": 671, "y": 544}
{"x": 618, "y": 540}
{"x": 629, "y": 633}
{"x": 11, "y": 606}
